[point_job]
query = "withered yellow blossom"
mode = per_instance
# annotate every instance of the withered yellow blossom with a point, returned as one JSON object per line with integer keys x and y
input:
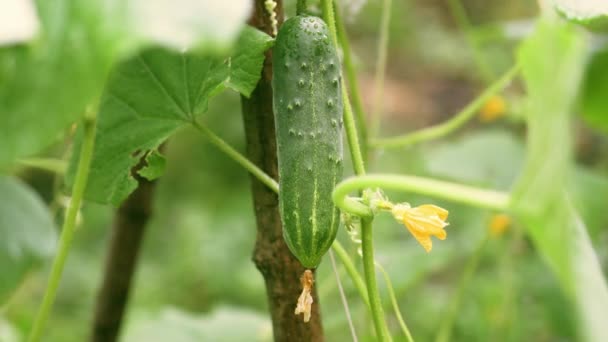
{"x": 305, "y": 301}
{"x": 493, "y": 109}
{"x": 423, "y": 222}
{"x": 499, "y": 224}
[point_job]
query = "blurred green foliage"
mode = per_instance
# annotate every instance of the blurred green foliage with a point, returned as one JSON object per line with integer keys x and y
{"x": 196, "y": 281}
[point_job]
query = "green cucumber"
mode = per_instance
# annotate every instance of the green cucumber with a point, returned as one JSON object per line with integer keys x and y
{"x": 308, "y": 116}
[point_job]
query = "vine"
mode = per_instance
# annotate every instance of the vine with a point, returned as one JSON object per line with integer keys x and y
{"x": 457, "y": 121}
{"x": 69, "y": 224}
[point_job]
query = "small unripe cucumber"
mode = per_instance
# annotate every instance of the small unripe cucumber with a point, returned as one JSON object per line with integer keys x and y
{"x": 308, "y": 116}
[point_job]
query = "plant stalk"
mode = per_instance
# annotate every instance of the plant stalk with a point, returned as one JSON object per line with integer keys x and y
{"x": 369, "y": 269}
{"x": 280, "y": 269}
{"x": 476, "y": 197}
{"x": 351, "y": 75}
{"x": 69, "y": 224}
{"x": 457, "y": 121}
{"x": 237, "y": 157}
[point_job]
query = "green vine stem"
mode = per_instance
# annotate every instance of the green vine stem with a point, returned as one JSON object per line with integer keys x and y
{"x": 369, "y": 270}
{"x": 476, "y": 197}
{"x": 69, "y": 224}
{"x": 445, "y": 326}
{"x": 349, "y": 120}
{"x": 57, "y": 166}
{"x": 462, "y": 20}
{"x": 454, "y": 123}
{"x": 351, "y": 75}
{"x": 382, "y": 56}
{"x": 301, "y": 7}
{"x": 391, "y": 293}
{"x": 351, "y": 270}
{"x": 367, "y": 244}
{"x": 237, "y": 157}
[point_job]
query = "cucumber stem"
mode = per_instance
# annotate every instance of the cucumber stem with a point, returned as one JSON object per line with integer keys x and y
{"x": 301, "y": 7}
{"x": 487, "y": 199}
{"x": 351, "y": 75}
{"x": 237, "y": 157}
{"x": 369, "y": 270}
{"x": 454, "y": 123}
{"x": 69, "y": 224}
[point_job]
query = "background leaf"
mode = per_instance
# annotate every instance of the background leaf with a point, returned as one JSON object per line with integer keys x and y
{"x": 46, "y": 86}
{"x": 540, "y": 199}
{"x": 490, "y": 158}
{"x": 223, "y": 325}
{"x": 594, "y": 102}
{"x": 28, "y": 234}
{"x": 152, "y": 95}
{"x": 592, "y": 13}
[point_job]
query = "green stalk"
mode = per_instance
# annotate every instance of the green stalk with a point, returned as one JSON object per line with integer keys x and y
{"x": 69, "y": 224}
{"x": 366, "y": 224}
{"x": 369, "y": 269}
{"x": 237, "y": 157}
{"x": 476, "y": 197}
{"x": 349, "y": 120}
{"x": 351, "y": 270}
{"x": 351, "y": 134}
{"x": 382, "y": 55}
{"x": 351, "y": 75}
{"x": 454, "y": 123}
{"x": 47, "y": 164}
{"x": 445, "y": 326}
{"x": 301, "y": 7}
{"x": 391, "y": 293}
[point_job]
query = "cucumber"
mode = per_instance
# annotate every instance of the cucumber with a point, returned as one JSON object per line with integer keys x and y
{"x": 308, "y": 117}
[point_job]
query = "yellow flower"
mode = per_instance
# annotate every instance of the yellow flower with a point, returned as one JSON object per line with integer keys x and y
{"x": 423, "y": 222}
{"x": 499, "y": 224}
{"x": 493, "y": 109}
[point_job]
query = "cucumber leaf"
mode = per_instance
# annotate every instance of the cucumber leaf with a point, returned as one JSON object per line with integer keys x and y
{"x": 179, "y": 326}
{"x": 594, "y": 102}
{"x": 46, "y": 84}
{"x": 28, "y": 234}
{"x": 152, "y": 95}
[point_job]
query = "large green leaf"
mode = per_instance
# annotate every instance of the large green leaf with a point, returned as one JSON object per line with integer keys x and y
{"x": 45, "y": 86}
{"x": 594, "y": 102}
{"x": 28, "y": 234}
{"x": 491, "y": 158}
{"x": 540, "y": 198}
{"x": 152, "y": 95}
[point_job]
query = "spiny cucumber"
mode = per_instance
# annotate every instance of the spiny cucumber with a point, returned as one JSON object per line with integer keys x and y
{"x": 308, "y": 116}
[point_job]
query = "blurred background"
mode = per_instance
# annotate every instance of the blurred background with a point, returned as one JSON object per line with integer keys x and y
{"x": 196, "y": 281}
